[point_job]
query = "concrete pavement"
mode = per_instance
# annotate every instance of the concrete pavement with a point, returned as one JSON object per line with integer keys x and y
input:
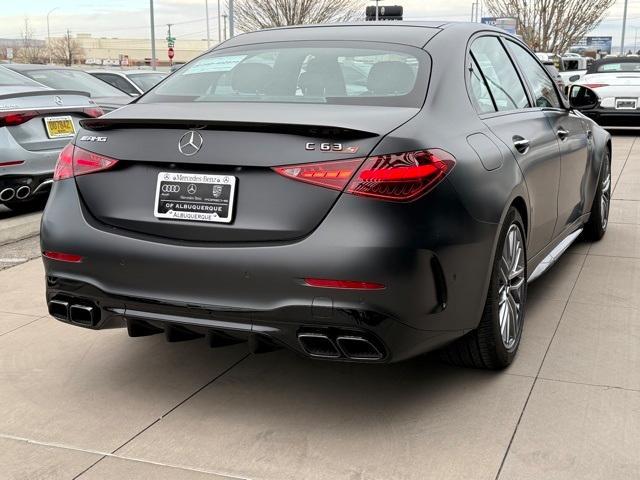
{"x": 100, "y": 405}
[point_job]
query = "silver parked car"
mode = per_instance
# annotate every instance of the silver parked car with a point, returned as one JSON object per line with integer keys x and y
{"x": 108, "y": 97}
{"x": 36, "y": 122}
{"x": 132, "y": 82}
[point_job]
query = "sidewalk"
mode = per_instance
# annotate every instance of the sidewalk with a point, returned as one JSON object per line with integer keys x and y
{"x": 101, "y": 405}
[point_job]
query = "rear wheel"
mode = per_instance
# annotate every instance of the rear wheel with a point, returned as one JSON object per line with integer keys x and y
{"x": 494, "y": 343}
{"x": 596, "y": 226}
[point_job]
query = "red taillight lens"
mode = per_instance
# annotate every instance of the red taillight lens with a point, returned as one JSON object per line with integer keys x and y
{"x": 8, "y": 119}
{"x": 333, "y": 175}
{"x": 343, "y": 284}
{"x": 63, "y": 257}
{"x": 74, "y": 161}
{"x": 11, "y": 163}
{"x": 595, "y": 85}
{"x": 402, "y": 176}
{"x": 93, "y": 111}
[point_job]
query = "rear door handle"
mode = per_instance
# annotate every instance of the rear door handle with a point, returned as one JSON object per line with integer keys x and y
{"x": 562, "y": 133}
{"x": 522, "y": 144}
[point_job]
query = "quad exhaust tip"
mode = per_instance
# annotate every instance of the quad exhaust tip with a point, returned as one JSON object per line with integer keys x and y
{"x": 7, "y": 194}
{"x": 59, "y": 309}
{"x": 358, "y": 348}
{"x": 318, "y": 345}
{"x": 23, "y": 192}
{"x": 84, "y": 315}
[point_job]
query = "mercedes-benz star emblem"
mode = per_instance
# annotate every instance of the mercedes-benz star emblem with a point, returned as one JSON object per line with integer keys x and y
{"x": 192, "y": 189}
{"x": 57, "y": 99}
{"x": 190, "y": 143}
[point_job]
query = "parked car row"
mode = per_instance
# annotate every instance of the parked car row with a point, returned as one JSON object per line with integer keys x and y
{"x": 40, "y": 106}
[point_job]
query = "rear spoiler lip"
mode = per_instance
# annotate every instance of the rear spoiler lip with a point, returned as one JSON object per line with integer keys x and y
{"x": 39, "y": 93}
{"x": 318, "y": 131}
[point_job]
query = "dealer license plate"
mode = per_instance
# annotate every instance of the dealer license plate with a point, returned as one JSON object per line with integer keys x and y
{"x": 58, "y": 127}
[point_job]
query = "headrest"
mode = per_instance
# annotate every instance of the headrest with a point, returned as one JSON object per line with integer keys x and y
{"x": 251, "y": 77}
{"x": 393, "y": 77}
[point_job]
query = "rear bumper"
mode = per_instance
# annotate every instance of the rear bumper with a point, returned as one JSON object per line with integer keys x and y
{"x": 610, "y": 118}
{"x": 435, "y": 270}
{"x": 35, "y": 170}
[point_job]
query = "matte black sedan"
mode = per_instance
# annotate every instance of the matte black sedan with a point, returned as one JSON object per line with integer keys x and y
{"x": 259, "y": 194}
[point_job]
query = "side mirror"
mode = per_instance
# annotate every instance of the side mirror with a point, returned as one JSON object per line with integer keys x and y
{"x": 582, "y": 98}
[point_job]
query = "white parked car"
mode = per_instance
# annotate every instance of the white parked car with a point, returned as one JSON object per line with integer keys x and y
{"x": 133, "y": 82}
{"x": 614, "y": 86}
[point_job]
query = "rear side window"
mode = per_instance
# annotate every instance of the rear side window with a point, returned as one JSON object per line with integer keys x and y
{"x": 345, "y": 73}
{"x": 500, "y": 74}
{"x": 542, "y": 87}
{"x": 479, "y": 92}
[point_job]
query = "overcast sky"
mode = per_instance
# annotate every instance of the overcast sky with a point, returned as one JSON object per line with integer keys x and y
{"x": 130, "y": 18}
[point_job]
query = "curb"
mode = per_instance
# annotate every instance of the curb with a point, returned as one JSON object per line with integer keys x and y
{"x": 19, "y": 228}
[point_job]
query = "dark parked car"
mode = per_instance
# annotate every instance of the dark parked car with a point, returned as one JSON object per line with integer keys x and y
{"x": 131, "y": 82}
{"x": 107, "y": 97}
{"x": 257, "y": 194}
{"x": 36, "y": 122}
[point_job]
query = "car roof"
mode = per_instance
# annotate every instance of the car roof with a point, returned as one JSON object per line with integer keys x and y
{"x": 32, "y": 66}
{"x": 414, "y": 33}
{"x": 593, "y": 68}
{"x": 124, "y": 73}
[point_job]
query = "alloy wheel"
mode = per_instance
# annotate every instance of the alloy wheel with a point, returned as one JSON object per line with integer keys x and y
{"x": 605, "y": 198}
{"x": 511, "y": 286}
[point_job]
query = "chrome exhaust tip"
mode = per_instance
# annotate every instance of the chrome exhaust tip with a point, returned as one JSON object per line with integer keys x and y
{"x": 318, "y": 345}
{"x": 23, "y": 192}
{"x": 358, "y": 348}
{"x": 7, "y": 194}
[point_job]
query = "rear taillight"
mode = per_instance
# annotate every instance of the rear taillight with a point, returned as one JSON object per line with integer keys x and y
{"x": 400, "y": 177}
{"x": 9, "y": 119}
{"x": 74, "y": 161}
{"x": 93, "y": 112}
{"x": 333, "y": 175}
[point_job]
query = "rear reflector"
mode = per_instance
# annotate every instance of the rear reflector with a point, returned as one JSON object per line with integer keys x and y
{"x": 343, "y": 284}
{"x": 63, "y": 257}
{"x": 74, "y": 161}
{"x": 11, "y": 163}
{"x": 595, "y": 85}
{"x": 400, "y": 177}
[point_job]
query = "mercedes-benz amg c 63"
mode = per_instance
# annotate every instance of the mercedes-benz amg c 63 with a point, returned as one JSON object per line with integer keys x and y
{"x": 363, "y": 192}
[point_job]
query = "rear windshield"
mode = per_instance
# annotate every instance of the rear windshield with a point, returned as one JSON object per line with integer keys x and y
{"x": 69, "y": 79}
{"x": 9, "y": 78}
{"x": 374, "y": 74}
{"x": 620, "y": 67}
{"x": 145, "y": 81}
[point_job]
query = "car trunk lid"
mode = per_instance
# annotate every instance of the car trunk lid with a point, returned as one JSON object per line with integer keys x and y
{"x": 267, "y": 206}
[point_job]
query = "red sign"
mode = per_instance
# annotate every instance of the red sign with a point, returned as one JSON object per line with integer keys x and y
{"x": 170, "y": 52}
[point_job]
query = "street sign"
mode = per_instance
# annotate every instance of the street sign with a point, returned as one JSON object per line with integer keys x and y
{"x": 170, "y": 52}
{"x": 510, "y": 24}
{"x": 9, "y": 53}
{"x": 384, "y": 13}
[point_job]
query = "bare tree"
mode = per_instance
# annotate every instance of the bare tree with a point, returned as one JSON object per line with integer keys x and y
{"x": 253, "y": 15}
{"x": 552, "y": 25}
{"x": 66, "y": 50}
{"x": 30, "y": 49}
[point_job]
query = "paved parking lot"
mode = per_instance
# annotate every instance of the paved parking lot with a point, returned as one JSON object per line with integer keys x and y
{"x": 100, "y": 405}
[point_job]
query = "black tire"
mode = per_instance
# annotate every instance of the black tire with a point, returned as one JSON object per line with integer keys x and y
{"x": 484, "y": 347}
{"x": 27, "y": 206}
{"x": 596, "y": 226}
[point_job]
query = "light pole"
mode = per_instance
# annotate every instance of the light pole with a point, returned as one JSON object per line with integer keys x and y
{"x": 624, "y": 27}
{"x": 219, "y": 24}
{"x": 376, "y": 10}
{"x": 153, "y": 37}
{"x": 206, "y": 9}
{"x": 49, "y": 33}
{"x": 231, "y": 19}
{"x": 224, "y": 24}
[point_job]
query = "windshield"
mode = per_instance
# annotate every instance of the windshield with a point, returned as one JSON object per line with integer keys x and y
{"x": 620, "y": 67}
{"x": 73, "y": 80}
{"x": 375, "y": 74}
{"x": 146, "y": 81}
{"x": 7, "y": 78}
